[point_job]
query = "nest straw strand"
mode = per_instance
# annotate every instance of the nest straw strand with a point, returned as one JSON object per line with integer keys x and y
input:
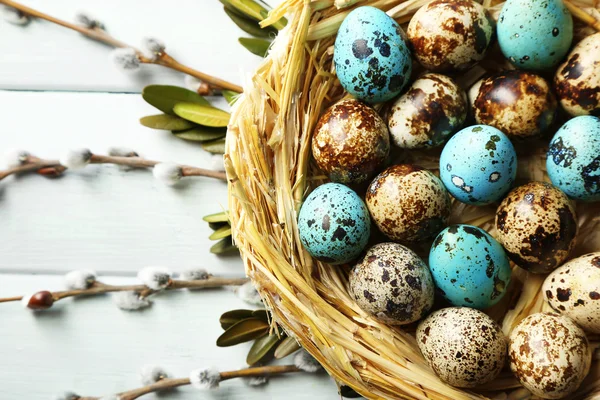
{"x": 270, "y": 172}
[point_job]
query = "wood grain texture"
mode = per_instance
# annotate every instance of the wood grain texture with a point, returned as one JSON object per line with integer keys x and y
{"x": 42, "y": 56}
{"x": 91, "y": 347}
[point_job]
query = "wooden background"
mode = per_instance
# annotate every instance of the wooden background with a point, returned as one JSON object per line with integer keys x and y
{"x": 59, "y": 90}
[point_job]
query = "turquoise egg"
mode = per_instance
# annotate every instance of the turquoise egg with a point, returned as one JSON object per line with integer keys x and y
{"x": 573, "y": 161}
{"x": 535, "y": 35}
{"x": 478, "y": 165}
{"x": 469, "y": 267}
{"x": 372, "y": 60}
{"x": 334, "y": 224}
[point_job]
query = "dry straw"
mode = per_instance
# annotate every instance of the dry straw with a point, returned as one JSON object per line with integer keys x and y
{"x": 270, "y": 172}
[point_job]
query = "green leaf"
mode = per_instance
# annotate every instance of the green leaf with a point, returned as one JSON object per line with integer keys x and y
{"x": 288, "y": 346}
{"x": 165, "y": 97}
{"x": 201, "y": 134}
{"x": 243, "y": 331}
{"x": 261, "y": 348}
{"x": 230, "y": 96}
{"x": 217, "y": 217}
{"x": 166, "y": 122}
{"x": 221, "y": 233}
{"x": 223, "y": 246}
{"x": 203, "y": 115}
{"x": 217, "y": 225}
{"x": 215, "y": 147}
{"x": 261, "y": 314}
{"x": 260, "y": 47}
{"x": 250, "y": 26}
{"x": 232, "y": 317}
{"x": 254, "y": 10}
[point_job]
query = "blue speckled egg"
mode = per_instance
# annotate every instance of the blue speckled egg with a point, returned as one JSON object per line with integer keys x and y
{"x": 469, "y": 267}
{"x": 573, "y": 161}
{"x": 478, "y": 165}
{"x": 535, "y": 35}
{"x": 371, "y": 57}
{"x": 334, "y": 224}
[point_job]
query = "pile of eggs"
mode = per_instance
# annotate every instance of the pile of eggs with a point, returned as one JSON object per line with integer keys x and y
{"x": 475, "y": 128}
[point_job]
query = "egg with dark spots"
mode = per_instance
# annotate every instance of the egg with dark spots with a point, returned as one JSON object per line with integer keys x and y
{"x": 478, "y": 165}
{"x": 519, "y": 103}
{"x": 573, "y": 289}
{"x": 577, "y": 80}
{"x": 371, "y": 57}
{"x": 350, "y": 142}
{"x": 393, "y": 284}
{"x": 463, "y": 346}
{"x": 469, "y": 266}
{"x": 535, "y": 35}
{"x": 549, "y": 354}
{"x": 334, "y": 224}
{"x": 537, "y": 225}
{"x": 408, "y": 203}
{"x": 573, "y": 159}
{"x": 450, "y": 34}
{"x": 432, "y": 110}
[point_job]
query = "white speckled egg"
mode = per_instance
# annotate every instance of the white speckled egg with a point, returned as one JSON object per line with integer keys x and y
{"x": 432, "y": 109}
{"x": 549, "y": 354}
{"x": 463, "y": 346}
{"x": 574, "y": 290}
{"x": 577, "y": 80}
{"x": 450, "y": 34}
{"x": 408, "y": 203}
{"x": 393, "y": 284}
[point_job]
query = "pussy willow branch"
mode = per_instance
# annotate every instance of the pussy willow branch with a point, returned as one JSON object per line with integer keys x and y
{"x": 170, "y": 383}
{"x": 101, "y": 35}
{"x": 101, "y": 288}
{"x": 32, "y": 164}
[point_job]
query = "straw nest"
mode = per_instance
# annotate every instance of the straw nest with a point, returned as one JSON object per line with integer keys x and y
{"x": 270, "y": 172}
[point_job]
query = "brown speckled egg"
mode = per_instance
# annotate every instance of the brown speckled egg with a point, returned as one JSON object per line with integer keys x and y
{"x": 432, "y": 109}
{"x": 393, "y": 284}
{"x": 463, "y": 346}
{"x": 537, "y": 225}
{"x": 549, "y": 354}
{"x": 450, "y": 34}
{"x": 351, "y": 142}
{"x": 577, "y": 81}
{"x": 408, "y": 203}
{"x": 573, "y": 289}
{"x": 519, "y": 103}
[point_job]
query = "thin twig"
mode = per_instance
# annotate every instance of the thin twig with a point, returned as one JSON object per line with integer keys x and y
{"x": 100, "y": 35}
{"x": 101, "y": 288}
{"x": 29, "y": 167}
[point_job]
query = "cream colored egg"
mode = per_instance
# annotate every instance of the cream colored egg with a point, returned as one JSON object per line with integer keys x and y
{"x": 577, "y": 80}
{"x": 574, "y": 290}
{"x": 450, "y": 34}
{"x": 408, "y": 203}
{"x": 432, "y": 109}
{"x": 463, "y": 346}
{"x": 549, "y": 354}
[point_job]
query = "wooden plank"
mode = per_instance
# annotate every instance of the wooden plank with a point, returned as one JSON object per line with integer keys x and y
{"x": 91, "y": 347}
{"x": 102, "y": 217}
{"x": 43, "y": 56}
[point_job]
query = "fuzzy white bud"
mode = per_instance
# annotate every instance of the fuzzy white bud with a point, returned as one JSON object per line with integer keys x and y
{"x": 192, "y": 83}
{"x": 126, "y": 58}
{"x": 88, "y": 21}
{"x": 14, "y": 158}
{"x": 205, "y": 378}
{"x": 14, "y": 16}
{"x": 156, "y": 278}
{"x": 130, "y": 301}
{"x": 122, "y": 152}
{"x": 217, "y": 162}
{"x": 80, "y": 279}
{"x": 152, "y": 48}
{"x": 304, "y": 361}
{"x": 194, "y": 274}
{"x": 167, "y": 173}
{"x": 67, "y": 396}
{"x": 76, "y": 159}
{"x": 248, "y": 293}
{"x": 150, "y": 374}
